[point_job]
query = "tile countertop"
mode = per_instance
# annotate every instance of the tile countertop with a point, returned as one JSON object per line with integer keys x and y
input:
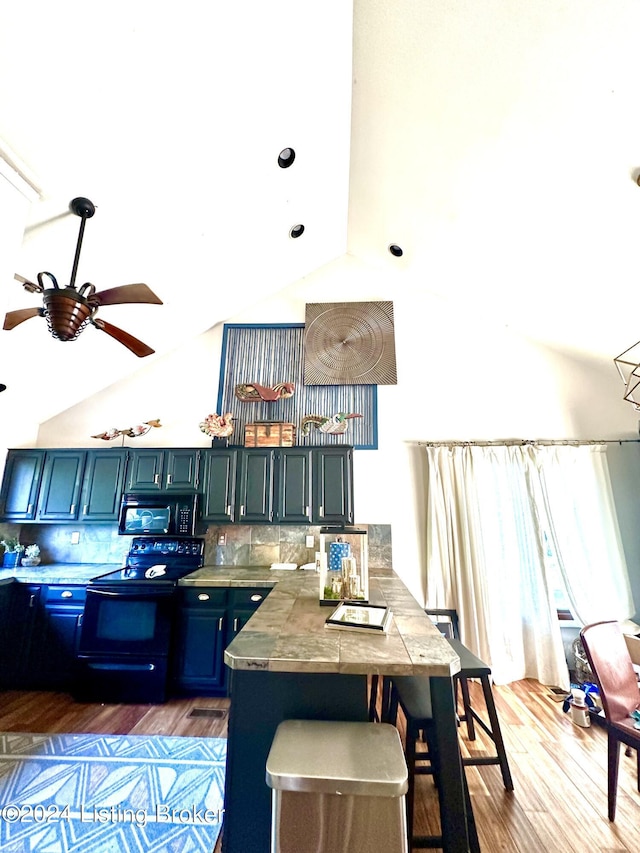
{"x": 57, "y": 573}
{"x": 288, "y": 632}
{"x": 238, "y": 576}
{"x": 82, "y": 573}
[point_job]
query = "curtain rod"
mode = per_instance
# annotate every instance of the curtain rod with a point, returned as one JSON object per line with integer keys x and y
{"x": 520, "y": 442}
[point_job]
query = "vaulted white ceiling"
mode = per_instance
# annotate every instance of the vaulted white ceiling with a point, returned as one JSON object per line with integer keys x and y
{"x": 496, "y": 143}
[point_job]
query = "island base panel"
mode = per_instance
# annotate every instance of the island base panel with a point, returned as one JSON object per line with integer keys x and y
{"x": 260, "y": 701}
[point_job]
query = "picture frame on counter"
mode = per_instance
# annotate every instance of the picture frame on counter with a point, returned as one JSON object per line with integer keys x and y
{"x": 351, "y": 616}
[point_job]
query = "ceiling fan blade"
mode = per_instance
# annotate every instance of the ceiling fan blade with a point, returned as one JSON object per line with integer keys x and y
{"x": 137, "y": 347}
{"x": 14, "y": 318}
{"x": 126, "y": 293}
{"x": 31, "y": 286}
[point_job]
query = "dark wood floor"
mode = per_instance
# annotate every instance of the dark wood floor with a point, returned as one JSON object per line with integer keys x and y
{"x": 559, "y": 770}
{"x": 43, "y": 712}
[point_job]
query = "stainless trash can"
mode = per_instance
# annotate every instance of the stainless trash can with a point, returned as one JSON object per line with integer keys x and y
{"x": 337, "y": 787}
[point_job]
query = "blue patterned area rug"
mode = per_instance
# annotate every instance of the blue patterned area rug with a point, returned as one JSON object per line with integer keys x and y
{"x": 110, "y": 793}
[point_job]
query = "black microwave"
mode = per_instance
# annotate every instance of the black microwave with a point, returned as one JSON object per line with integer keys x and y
{"x": 159, "y": 514}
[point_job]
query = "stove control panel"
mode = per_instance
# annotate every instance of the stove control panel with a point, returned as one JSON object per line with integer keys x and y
{"x": 149, "y": 547}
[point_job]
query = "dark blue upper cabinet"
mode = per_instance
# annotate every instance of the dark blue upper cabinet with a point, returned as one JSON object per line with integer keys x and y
{"x": 254, "y": 496}
{"x": 59, "y": 498}
{"x": 333, "y": 485}
{"x": 219, "y": 478}
{"x": 294, "y": 475}
{"x": 20, "y": 485}
{"x": 160, "y": 470}
{"x": 103, "y": 484}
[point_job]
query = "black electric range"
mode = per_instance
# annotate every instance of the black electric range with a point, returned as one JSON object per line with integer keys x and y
{"x": 128, "y": 622}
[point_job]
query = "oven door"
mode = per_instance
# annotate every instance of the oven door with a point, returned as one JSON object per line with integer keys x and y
{"x": 127, "y": 621}
{"x": 124, "y": 644}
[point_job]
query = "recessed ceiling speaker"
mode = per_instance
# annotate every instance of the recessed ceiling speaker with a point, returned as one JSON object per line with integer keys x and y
{"x": 286, "y": 158}
{"x": 349, "y": 343}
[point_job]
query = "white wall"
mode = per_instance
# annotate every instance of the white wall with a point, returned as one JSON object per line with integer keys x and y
{"x": 15, "y": 194}
{"x": 459, "y": 377}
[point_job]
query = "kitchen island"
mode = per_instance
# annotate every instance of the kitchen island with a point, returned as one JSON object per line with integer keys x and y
{"x": 286, "y": 664}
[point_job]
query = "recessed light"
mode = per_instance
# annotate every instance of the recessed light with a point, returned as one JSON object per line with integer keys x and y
{"x": 296, "y": 231}
{"x": 286, "y": 158}
{"x": 395, "y": 250}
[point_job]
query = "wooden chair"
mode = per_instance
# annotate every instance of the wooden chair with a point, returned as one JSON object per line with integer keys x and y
{"x": 610, "y": 662}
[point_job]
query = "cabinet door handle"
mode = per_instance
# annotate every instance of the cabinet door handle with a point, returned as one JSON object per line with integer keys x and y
{"x": 32, "y": 600}
{"x": 169, "y": 479}
{"x": 306, "y": 512}
{"x": 242, "y": 510}
{"x": 80, "y": 617}
{"x": 73, "y": 509}
{"x": 229, "y": 510}
{"x": 257, "y": 597}
{"x": 30, "y": 508}
{"x": 220, "y": 621}
{"x": 235, "y": 624}
{"x": 66, "y": 594}
{"x": 156, "y": 479}
{"x": 321, "y": 511}
{"x": 85, "y": 509}
{"x": 203, "y": 596}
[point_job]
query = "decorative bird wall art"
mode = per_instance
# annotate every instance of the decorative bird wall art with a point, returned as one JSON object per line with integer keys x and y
{"x": 218, "y": 426}
{"x": 335, "y": 425}
{"x": 132, "y": 432}
{"x": 253, "y": 393}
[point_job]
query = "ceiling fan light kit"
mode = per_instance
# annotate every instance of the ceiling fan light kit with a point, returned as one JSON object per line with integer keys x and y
{"x": 68, "y": 310}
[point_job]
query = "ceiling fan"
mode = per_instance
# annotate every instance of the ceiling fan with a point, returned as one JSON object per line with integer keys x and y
{"x": 68, "y": 310}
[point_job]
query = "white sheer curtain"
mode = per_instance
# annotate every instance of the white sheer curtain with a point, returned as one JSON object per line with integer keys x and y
{"x": 582, "y": 525}
{"x": 491, "y": 511}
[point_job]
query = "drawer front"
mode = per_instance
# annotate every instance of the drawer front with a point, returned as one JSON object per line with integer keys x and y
{"x": 203, "y": 596}
{"x": 65, "y": 594}
{"x": 248, "y": 599}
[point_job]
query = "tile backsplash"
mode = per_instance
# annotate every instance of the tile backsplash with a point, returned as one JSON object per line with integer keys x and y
{"x": 244, "y": 544}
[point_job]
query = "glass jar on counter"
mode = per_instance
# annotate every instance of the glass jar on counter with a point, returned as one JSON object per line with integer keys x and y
{"x": 343, "y": 562}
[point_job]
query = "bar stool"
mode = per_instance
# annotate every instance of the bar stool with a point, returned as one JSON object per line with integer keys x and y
{"x": 412, "y": 694}
{"x": 337, "y": 787}
{"x": 472, "y": 667}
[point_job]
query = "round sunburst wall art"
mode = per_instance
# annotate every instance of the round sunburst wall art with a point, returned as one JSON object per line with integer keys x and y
{"x": 349, "y": 343}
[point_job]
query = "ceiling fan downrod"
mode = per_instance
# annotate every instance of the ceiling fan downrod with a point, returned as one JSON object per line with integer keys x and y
{"x": 85, "y": 209}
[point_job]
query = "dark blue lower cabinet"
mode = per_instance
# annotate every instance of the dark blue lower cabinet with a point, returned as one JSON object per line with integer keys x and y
{"x": 200, "y": 641}
{"x": 58, "y": 640}
{"x": 23, "y": 624}
{"x": 6, "y": 646}
{"x": 208, "y": 620}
